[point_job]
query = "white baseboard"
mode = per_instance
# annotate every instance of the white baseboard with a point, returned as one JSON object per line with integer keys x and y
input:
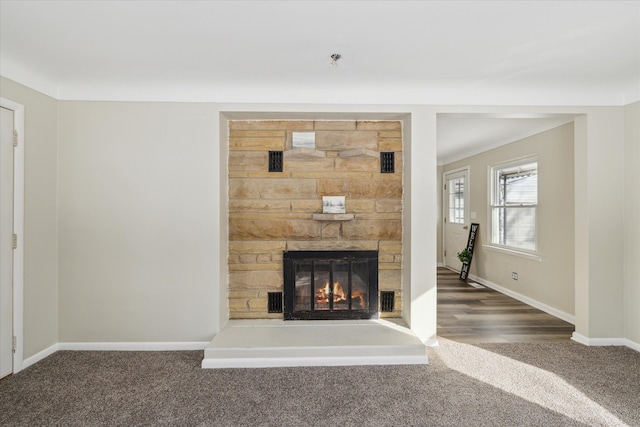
{"x": 597, "y": 342}
{"x": 38, "y": 356}
{"x": 633, "y": 345}
{"x": 440, "y": 264}
{"x": 133, "y": 346}
{"x": 537, "y": 304}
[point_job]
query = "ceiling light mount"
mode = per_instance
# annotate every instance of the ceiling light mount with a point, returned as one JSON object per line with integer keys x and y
{"x": 334, "y": 59}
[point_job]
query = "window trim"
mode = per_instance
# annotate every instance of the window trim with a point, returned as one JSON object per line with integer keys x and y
{"x": 467, "y": 198}
{"x": 510, "y": 250}
{"x": 513, "y": 250}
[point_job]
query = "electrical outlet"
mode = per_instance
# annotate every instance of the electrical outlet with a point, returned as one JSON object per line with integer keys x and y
{"x": 514, "y": 275}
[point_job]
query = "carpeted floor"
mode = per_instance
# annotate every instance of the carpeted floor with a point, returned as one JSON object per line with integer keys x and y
{"x": 524, "y": 384}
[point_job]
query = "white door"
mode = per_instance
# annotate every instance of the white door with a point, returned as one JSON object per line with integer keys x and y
{"x": 456, "y": 215}
{"x": 6, "y": 241}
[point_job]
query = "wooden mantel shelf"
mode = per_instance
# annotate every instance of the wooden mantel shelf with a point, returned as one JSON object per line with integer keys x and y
{"x": 301, "y": 153}
{"x": 359, "y": 152}
{"x": 333, "y": 217}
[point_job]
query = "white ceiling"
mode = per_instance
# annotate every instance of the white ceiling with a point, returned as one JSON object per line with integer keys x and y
{"x": 464, "y": 135}
{"x": 393, "y": 52}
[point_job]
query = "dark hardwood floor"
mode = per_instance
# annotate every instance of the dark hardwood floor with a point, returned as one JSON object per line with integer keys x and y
{"x": 476, "y": 315}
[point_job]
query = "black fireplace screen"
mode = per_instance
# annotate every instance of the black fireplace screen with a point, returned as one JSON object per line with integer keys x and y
{"x": 330, "y": 284}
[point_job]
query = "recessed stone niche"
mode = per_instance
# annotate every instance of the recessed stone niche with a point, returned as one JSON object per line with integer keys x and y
{"x": 270, "y": 212}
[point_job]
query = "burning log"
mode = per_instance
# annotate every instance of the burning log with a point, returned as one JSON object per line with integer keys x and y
{"x": 339, "y": 295}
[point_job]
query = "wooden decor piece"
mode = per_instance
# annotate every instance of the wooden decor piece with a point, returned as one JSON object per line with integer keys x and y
{"x": 471, "y": 244}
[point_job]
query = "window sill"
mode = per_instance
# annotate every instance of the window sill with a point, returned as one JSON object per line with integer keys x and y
{"x": 509, "y": 251}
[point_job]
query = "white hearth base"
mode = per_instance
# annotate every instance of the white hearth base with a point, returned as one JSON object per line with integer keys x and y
{"x": 279, "y": 343}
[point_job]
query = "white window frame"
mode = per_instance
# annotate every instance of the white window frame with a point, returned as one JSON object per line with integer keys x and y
{"x": 514, "y": 250}
{"x": 463, "y": 172}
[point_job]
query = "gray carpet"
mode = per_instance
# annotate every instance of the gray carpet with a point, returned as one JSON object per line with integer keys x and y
{"x": 537, "y": 384}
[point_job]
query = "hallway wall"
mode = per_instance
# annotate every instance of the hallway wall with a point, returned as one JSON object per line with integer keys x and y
{"x": 40, "y": 216}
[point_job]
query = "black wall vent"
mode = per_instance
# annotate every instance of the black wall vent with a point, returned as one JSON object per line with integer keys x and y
{"x": 275, "y": 161}
{"x": 387, "y": 299}
{"x": 387, "y": 162}
{"x": 274, "y": 302}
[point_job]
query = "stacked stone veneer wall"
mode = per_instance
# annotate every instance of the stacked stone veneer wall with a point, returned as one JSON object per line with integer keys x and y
{"x": 270, "y": 212}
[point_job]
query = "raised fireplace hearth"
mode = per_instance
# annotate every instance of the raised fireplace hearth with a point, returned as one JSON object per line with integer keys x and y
{"x": 330, "y": 285}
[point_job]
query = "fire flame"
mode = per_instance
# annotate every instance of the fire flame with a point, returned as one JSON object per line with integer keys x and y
{"x": 339, "y": 295}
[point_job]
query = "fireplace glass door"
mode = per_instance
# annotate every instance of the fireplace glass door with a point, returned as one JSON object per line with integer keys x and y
{"x": 330, "y": 285}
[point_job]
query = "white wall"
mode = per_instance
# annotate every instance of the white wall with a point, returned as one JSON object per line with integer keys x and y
{"x": 40, "y": 323}
{"x": 138, "y": 202}
{"x": 138, "y": 250}
{"x": 142, "y": 218}
{"x": 632, "y": 223}
{"x": 421, "y": 213}
{"x": 549, "y": 280}
{"x": 599, "y": 214}
{"x": 439, "y": 226}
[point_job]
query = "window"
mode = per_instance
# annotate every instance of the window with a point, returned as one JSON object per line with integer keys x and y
{"x": 456, "y": 200}
{"x": 514, "y": 201}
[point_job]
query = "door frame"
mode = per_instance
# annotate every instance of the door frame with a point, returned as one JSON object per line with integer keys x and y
{"x": 467, "y": 207}
{"x": 18, "y": 229}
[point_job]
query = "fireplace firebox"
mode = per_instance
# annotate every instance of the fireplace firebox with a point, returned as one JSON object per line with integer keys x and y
{"x": 330, "y": 285}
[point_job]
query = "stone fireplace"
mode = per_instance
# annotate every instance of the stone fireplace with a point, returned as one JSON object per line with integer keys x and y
{"x": 276, "y": 212}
